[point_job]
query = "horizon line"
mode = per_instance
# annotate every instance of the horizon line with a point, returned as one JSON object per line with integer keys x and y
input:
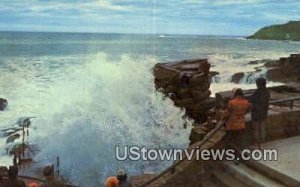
{"x": 80, "y": 32}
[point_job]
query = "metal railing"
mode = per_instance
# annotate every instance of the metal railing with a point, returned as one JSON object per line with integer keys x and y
{"x": 291, "y": 100}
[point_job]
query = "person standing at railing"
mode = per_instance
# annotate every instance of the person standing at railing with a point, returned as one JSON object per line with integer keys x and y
{"x": 237, "y": 108}
{"x": 260, "y": 105}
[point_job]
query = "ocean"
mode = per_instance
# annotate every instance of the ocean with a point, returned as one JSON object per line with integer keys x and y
{"x": 92, "y": 92}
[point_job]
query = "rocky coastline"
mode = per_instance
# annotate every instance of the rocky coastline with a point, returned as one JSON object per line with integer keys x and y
{"x": 285, "y": 70}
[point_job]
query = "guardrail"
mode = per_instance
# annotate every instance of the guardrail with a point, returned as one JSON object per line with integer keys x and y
{"x": 291, "y": 100}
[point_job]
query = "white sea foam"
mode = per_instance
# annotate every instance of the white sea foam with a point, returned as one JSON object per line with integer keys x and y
{"x": 101, "y": 105}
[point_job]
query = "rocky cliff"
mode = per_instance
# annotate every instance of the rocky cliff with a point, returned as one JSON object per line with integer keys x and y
{"x": 187, "y": 84}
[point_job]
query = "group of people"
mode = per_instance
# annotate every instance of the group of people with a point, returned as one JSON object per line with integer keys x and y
{"x": 239, "y": 106}
{"x": 13, "y": 180}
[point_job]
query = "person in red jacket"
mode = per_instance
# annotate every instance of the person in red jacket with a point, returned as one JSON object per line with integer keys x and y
{"x": 33, "y": 184}
{"x": 237, "y": 109}
{"x": 111, "y": 182}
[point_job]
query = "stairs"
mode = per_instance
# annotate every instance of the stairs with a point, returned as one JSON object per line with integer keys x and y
{"x": 222, "y": 178}
{"x": 244, "y": 174}
{"x": 249, "y": 176}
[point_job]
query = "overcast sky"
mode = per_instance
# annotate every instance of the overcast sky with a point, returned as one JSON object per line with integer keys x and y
{"x": 209, "y": 17}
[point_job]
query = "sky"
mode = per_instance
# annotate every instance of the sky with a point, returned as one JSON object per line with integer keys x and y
{"x": 203, "y": 17}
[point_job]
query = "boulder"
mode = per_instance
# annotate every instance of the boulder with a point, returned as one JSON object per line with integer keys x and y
{"x": 281, "y": 74}
{"x": 237, "y": 77}
{"x": 3, "y": 104}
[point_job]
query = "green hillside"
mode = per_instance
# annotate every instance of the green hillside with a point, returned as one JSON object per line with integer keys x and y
{"x": 287, "y": 31}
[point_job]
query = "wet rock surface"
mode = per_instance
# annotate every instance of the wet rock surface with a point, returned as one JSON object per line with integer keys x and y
{"x": 237, "y": 77}
{"x": 3, "y": 104}
{"x": 187, "y": 84}
{"x": 285, "y": 69}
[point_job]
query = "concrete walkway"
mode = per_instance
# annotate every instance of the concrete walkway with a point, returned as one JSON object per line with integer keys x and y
{"x": 288, "y": 156}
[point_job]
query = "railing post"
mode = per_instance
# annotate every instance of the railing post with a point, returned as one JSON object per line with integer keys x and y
{"x": 292, "y": 105}
{"x": 57, "y": 166}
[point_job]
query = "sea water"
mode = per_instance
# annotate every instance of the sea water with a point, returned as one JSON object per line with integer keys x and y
{"x": 93, "y": 92}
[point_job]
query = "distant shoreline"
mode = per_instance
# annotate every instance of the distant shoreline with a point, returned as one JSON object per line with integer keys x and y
{"x": 284, "y": 32}
{"x": 116, "y": 33}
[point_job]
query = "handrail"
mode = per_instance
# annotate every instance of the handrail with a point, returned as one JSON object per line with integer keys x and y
{"x": 291, "y": 100}
{"x": 195, "y": 145}
{"x": 285, "y": 100}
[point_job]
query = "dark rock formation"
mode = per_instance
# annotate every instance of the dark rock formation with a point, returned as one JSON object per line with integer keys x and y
{"x": 3, "y": 104}
{"x": 286, "y": 69}
{"x": 287, "y": 31}
{"x": 237, "y": 77}
{"x": 187, "y": 84}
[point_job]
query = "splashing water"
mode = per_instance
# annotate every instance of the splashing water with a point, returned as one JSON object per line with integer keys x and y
{"x": 228, "y": 63}
{"x": 101, "y": 105}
